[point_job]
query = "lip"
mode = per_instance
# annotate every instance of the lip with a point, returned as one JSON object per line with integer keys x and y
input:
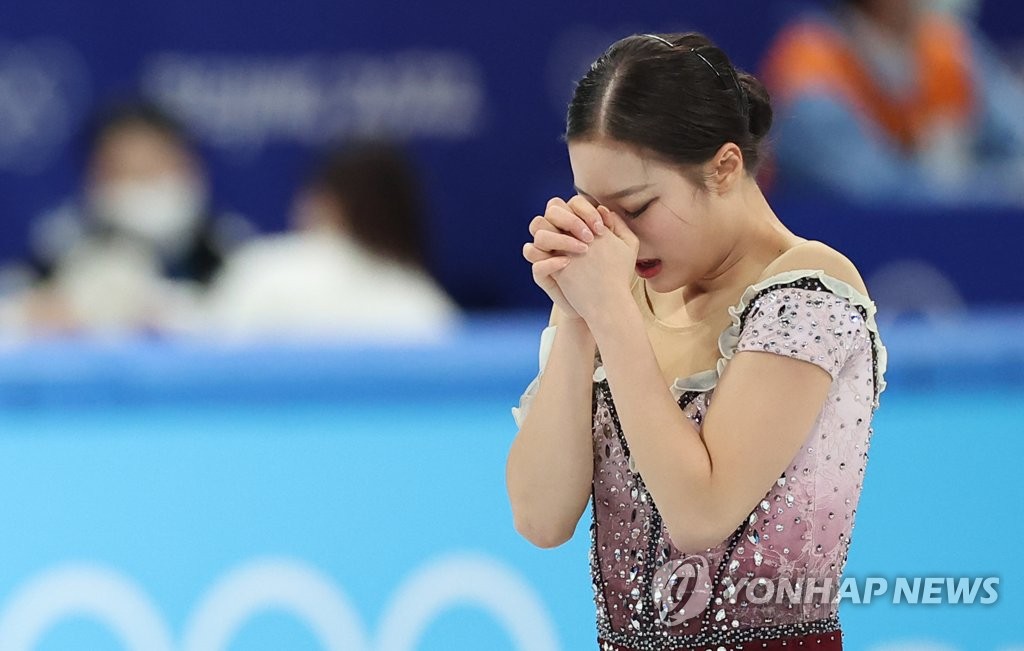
{"x": 648, "y": 268}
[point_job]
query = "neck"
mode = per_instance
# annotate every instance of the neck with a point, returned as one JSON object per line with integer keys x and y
{"x": 760, "y": 239}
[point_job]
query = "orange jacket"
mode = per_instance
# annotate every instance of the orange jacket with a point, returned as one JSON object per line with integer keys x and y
{"x": 814, "y": 54}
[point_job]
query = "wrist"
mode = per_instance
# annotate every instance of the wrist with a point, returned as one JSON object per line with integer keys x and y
{"x": 565, "y": 317}
{"x": 612, "y": 316}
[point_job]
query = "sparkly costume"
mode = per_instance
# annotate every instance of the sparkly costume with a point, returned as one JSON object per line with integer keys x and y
{"x": 795, "y": 537}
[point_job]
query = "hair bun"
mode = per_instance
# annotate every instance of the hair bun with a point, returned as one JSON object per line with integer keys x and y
{"x": 759, "y": 104}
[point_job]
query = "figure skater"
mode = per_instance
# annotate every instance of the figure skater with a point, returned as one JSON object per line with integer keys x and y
{"x": 708, "y": 378}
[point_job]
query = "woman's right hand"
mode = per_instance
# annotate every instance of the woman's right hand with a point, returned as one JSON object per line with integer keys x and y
{"x": 562, "y": 232}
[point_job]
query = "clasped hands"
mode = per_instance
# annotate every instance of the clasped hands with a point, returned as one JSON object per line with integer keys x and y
{"x": 583, "y": 257}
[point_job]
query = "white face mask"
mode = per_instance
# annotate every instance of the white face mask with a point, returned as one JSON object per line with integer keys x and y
{"x": 163, "y": 212}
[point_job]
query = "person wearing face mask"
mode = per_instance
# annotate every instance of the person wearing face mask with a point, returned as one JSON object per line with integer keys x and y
{"x": 140, "y": 243}
{"x": 353, "y": 265}
{"x": 708, "y": 379}
{"x": 898, "y": 102}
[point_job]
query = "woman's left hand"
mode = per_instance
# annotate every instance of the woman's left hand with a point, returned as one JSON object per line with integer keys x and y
{"x": 598, "y": 280}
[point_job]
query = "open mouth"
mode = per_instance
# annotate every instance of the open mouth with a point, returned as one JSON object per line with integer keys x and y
{"x": 648, "y": 267}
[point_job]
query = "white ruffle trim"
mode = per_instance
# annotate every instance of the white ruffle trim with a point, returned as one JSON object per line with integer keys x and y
{"x": 547, "y": 337}
{"x": 730, "y": 337}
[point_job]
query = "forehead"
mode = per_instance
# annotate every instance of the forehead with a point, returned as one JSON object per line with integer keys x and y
{"x": 603, "y": 167}
{"x": 131, "y": 150}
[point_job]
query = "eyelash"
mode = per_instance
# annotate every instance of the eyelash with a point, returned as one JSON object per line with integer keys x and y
{"x": 634, "y": 215}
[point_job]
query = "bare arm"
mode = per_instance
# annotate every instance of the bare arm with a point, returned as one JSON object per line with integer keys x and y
{"x": 705, "y": 481}
{"x": 704, "y": 485}
{"x": 550, "y": 464}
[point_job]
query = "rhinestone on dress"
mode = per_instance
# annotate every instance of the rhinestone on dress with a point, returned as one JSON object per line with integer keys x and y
{"x": 635, "y": 567}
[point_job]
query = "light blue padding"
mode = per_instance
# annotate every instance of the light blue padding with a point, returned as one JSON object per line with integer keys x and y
{"x": 174, "y": 464}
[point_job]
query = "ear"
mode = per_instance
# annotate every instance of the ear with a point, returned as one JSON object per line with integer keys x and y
{"x": 725, "y": 169}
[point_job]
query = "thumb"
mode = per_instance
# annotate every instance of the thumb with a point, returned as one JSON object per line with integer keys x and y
{"x": 616, "y": 224}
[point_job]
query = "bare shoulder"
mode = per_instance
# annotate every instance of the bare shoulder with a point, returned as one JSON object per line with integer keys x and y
{"x": 817, "y": 255}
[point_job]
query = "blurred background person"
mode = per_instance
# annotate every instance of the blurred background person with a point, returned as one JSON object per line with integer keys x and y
{"x": 353, "y": 264}
{"x": 895, "y": 101}
{"x": 139, "y": 244}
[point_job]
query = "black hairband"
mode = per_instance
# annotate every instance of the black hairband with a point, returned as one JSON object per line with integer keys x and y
{"x": 744, "y": 102}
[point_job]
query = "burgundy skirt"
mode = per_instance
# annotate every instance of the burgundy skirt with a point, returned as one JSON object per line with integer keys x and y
{"x": 816, "y": 642}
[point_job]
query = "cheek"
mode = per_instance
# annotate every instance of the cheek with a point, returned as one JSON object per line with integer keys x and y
{"x": 667, "y": 230}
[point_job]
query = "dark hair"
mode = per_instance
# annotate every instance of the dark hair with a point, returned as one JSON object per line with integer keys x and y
{"x": 131, "y": 113}
{"x": 675, "y": 95}
{"x": 377, "y": 188}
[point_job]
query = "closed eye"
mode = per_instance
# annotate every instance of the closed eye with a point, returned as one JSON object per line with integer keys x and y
{"x": 637, "y": 213}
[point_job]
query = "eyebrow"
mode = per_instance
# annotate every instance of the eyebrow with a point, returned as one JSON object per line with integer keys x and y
{"x": 620, "y": 194}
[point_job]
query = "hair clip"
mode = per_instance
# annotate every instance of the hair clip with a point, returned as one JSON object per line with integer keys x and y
{"x": 710, "y": 65}
{"x": 659, "y": 38}
{"x": 741, "y": 95}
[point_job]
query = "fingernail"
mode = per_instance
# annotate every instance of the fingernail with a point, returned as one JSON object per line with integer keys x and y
{"x": 587, "y": 235}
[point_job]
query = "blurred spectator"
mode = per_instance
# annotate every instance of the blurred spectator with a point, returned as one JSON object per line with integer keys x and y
{"x": 353, "y": 266}
{"x": 136, "y": 247}
{"x": 895, "y": 101}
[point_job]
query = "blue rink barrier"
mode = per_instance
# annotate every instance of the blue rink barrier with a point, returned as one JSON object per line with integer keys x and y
{"x": 182, "y": 495}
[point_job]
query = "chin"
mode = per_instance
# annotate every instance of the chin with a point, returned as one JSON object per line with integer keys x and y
{"x": 662, "y": 284}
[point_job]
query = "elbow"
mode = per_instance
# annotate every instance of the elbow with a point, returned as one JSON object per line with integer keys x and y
{"x": 545, "y": 536}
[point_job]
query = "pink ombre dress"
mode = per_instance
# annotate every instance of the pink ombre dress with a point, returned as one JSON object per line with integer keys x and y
{"x": 649, "y": 594}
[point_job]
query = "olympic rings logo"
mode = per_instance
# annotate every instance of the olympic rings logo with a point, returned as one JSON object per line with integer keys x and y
{"x": 281, "y": 584}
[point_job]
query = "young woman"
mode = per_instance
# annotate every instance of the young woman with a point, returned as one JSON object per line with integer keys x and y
{"x": 708, "y": 379}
